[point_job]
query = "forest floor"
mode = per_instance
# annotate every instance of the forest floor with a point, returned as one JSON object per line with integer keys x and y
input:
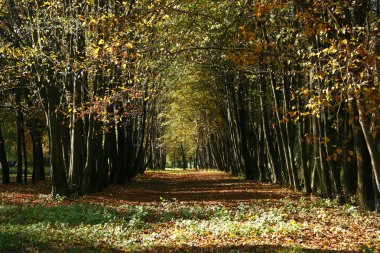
{"x": 182, "y": 211}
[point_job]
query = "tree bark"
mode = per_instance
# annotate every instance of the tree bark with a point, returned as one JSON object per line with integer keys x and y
{"x": 20, "y": 127}
{"x": 38, "y": 156}
{"x": 4, "y": 161}
{"x": 58, "y": 171}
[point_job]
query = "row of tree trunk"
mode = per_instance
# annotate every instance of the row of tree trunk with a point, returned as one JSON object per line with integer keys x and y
{"x": 96, "y": 100}
{"x": 328, "y": 148}
{"x": 35, "y": 126}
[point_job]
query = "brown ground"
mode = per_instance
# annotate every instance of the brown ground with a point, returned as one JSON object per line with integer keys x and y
{"x": 185, "y": 186}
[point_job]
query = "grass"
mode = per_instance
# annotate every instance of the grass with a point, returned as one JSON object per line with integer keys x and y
{"x": 181, "y": 170}
{"x": 13, "y": 170}
{"x": 141, "y": 227}
{"x": 130, "y": 228}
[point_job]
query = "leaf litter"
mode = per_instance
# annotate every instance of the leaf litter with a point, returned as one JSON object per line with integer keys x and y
{"x": 183, "y": 211}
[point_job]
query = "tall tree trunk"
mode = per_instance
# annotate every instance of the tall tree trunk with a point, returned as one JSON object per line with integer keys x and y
{"x": 90, "y": 157}
{"x": 183, "y": 155}
{"x": 303, "y": 155}
{"x": 4, "y": 161}
{"x": 373, "y": 148}
{"x": 25, "y": 156}
{"x": 20, "y": 127}
{"x": 38, "y": 156}
{"x": 76, "y": 141}
{"x": 266, "y": 132}
{"x": 113, "y": 154}
{"x": 350, "y": 173}
{"x": 106, "y": 161}
{"x": 288, "y": 131}
{"x": 282, "y": 142}
{"x": 58, "y": 171}
{"x": 365, "y": 190}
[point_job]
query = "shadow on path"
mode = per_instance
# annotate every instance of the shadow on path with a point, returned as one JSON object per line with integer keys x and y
{"x": 192, "y": 186}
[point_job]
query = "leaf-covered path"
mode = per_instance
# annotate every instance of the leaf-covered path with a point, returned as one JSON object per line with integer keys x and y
{"x": 188, "y": 186}
{"x": 192, "y": 187}
{"x": 187, "y": 211}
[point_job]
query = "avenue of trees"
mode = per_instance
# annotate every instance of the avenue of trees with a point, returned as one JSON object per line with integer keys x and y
{"x": 278, "y": 91}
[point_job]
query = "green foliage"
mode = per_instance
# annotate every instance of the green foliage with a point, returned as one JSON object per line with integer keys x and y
{"x": 366, "y": 249}
{"x": 43, "y": 227}
{"x": 296, "y": 250}
{"x": 325, "y": 203}
{"x": 70, "y": 215}
{"x": 46, "y": 228}
{"x": 137, "y": 217}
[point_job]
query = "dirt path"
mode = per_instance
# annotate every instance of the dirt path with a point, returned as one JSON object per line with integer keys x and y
{"x": 192, "y": 187}
{"x": 152, "y": 187}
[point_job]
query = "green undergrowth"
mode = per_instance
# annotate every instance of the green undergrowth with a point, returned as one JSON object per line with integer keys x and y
{"x": 182, "y": 171}
{"x": 162, "y": 227}
{"x": 13, "y": 170}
